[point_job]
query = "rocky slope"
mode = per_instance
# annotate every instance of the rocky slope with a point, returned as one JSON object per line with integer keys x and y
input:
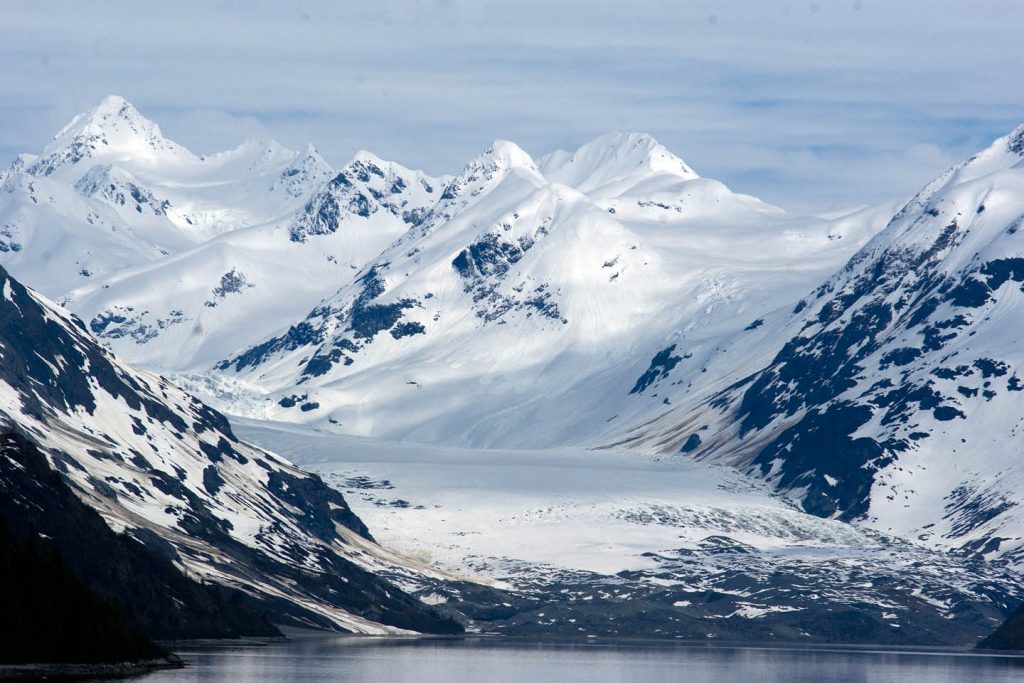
{"x": 167, "y": 471}
{"x": 1009, "y": 635}
{"x": 894, "y": 394}
{"x": 73, "y": 590}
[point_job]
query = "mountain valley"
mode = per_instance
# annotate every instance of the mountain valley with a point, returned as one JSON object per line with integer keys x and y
{"x": 588, "y": 394}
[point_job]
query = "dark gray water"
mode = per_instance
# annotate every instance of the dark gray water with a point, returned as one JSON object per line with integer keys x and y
{"x": 456, "y": 661}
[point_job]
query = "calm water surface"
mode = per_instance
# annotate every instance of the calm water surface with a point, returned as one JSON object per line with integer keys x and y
{"x": 452, "y": 661}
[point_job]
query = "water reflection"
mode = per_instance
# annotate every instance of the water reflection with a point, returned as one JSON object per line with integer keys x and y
{"x": 315, "y": 659}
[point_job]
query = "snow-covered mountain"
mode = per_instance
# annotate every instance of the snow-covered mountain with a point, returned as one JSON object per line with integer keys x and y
{"x": 166, "y": 254}
{"x": 894, "y": 396}
{"x": 192, "y": 309}
{"x": 384, "y": 301}
{"x": 111, "y": 191}
{"x": 604, "y": 296}
{"x": 167, "y": 470}
{"x": 519, "y": 311}
{"x": 864, "y": 367}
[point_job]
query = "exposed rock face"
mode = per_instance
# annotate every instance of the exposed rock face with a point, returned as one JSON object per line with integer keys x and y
{"x": 167, "y": 470}
{"x": 894, "y": 396}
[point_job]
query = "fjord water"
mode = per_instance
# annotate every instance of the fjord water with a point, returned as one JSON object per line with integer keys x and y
{"x": 435, "y": 660}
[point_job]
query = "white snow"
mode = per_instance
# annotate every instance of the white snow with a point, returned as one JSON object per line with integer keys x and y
{"x": 620, "y": 252}
{"x": 573, "y": 509}
{"x": 630, "y": 248}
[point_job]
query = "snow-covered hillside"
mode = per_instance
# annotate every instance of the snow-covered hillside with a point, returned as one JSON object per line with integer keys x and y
{"x": 895, "y": 392}
{"x": 110, "y": 192}
{"x": 522, "y": 311}
{"x": 189, "y": 310}
{"x": 176, "y": 260}
{"x": 166, "y": 469}
{"x": 471, "y": 310}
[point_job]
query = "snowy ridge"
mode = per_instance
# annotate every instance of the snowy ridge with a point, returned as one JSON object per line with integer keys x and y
{"x": 613, "y": 164}
{"x": 163, "y": 467}
{"x": 513, "y": 281}
{"x": 905, "y": 369}
{"x": 111, "y": 192}
{"x": 119, "y": 188}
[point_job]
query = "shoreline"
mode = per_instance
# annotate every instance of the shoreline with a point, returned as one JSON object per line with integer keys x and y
{"x": 80, "y": 671}
{"x": 294, "y": 634}
{"x": 85, "y": 671}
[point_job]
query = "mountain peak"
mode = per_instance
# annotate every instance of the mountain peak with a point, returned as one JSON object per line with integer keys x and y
{"x": 644, "y": 149}
{"x": 113, "y": 130}
{"x": 367, "y": 156}
{"x": 116, "y": 105}
{"x": 507, "y": 154}
{"x": 501, "y": 155}
{"x": 256, "y": 154}
{"x": 311, "y": 157}
{"x": 613, "y": 163}
{"x": 364, "y": 165}
{"x": 495, "y": 162}
{"x": 113, "y": 114}
{"x": 1006, "y": 152}
{"x": 364, "y": 161}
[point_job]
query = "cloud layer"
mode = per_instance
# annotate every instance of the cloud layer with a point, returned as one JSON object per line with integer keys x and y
{"x": 807, "y": 105}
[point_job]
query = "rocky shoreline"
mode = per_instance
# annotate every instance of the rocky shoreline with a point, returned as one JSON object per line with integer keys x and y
{"x": 50, "y": 672}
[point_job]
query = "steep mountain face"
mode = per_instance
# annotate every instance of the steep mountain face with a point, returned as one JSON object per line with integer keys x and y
{"x": 368, "y": 187}
{"x": 51, "y": 616}
{"x": 514, "y": 312}
{"x": 1009, "y": 635}
{"x": 894, "y": 397}
{"x": 167, "y": 471}
{"x": 187, "y": 311}
{"x": 111, "y": 191}
{"x": 382, "y": 301}
{"x": 80, "y": 592}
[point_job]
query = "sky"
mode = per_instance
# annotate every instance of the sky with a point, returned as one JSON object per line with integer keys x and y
{"x": 809, "y": 105}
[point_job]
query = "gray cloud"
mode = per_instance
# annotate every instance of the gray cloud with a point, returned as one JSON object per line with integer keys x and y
{"x": 806, "y": 106}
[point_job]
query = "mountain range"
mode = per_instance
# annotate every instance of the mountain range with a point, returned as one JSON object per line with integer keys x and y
{"x": 860, "y": 368}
